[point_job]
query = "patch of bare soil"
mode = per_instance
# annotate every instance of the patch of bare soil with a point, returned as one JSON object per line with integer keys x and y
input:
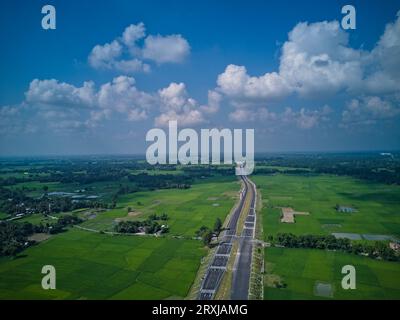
{"x": 134, "y": 213}
{"x": 39, "y": 237}
{"x": 288, "y": 214}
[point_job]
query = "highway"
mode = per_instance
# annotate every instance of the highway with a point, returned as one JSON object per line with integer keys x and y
{"x": 218, "y": 265}
{"x": 242, "y": 269}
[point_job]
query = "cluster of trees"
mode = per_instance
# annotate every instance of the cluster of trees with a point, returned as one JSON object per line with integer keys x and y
{"x": 144, "y": 181}
{"x": 15, "y": 202}
{"x": 377, "y": 249}
{"x": 85, "y": 171}
{"x": 149, "y": 226}
{"x": 372, "y": 166}
{"x": 206, "y": 234}
{"x": 284, "y": 171}
{"x": 202, "y": 171}
{"x": 61, "y": 224}
{"x": 162, "y": 216}
{"x": 14, "y": 236}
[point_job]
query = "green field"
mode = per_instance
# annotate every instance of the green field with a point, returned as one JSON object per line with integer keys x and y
{"x": 378, "y": 212}
{"x": 378, "y": 205}
{"x": 91, "y": 265}
{"x": 187, "y": 209}
{"x": 96, "y": 266}
{"x": 300, "y": 269}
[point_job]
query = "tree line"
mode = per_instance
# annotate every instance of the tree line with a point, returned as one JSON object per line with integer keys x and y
{"x": 14, "y": 236}
{"x": 376, "y": 249}
{"x": 149, "y": 226}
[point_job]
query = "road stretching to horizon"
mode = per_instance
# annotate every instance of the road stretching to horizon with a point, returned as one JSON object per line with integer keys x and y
{"x": 242, "y": 266}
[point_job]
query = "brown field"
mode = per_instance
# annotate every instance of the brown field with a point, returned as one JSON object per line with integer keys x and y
{"x": 288, "y": 214}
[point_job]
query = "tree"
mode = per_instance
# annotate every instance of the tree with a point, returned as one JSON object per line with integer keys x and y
{"x": 217, "y": 225}
{"x": 164, "y": 216}
{"x": 207, "y": 237}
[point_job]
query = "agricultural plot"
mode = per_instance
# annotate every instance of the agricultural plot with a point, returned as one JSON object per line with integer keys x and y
{"x": 98, "y": 266}
{"x": 377, "y": 205}
{"x": 187, "y": 209}
{"x": 316, "y": 274}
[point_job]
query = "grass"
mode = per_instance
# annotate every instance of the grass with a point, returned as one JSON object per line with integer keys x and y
{"x": 378, "y": 212}
{"x": 378, "y": 205}
{"x": 301, "y": 269}
{"x": 187, "y": 209}
{"x": 96, "y": 266}
{"x": 3, "y": 215}
{"x": 99, "y": 266}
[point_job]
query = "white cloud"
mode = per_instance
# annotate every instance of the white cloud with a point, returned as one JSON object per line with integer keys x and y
{"x": 173, "y": 48}
{"x": 246, "y": 115}
{"x": 13, "y": 121}
{"x": 103, "y": 56}
{"x": 53, "y": 93}
{"x": 302, "y": 119}
{"x": 214, "y": 101}
{"x": 177, "y": 105}
{"x": 61, "y": 106}
{"x": 235, "y": 83}
{"x": 133, "y": 33}
{"x": 305, "y": 119}
{"x": 368, "y": 110}
{"x": 125, "y": 53}
{"x": 317, "y": 61}
{"x": 121, "y": 95}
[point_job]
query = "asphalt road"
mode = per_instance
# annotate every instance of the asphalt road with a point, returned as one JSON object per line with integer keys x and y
{"x": 242, "y": 269}
{"x": 219, "y": 262}
{"x": 217, "y": 268}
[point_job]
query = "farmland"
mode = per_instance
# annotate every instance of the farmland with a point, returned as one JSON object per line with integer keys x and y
{"x": 187, "y": 209}
{"x": 302, "y": 269}
{"x": 97, "y": 266}
{"x": 92, "y": 263}
{"x": 295, "y": 273}
{"x": 377, "y": 205}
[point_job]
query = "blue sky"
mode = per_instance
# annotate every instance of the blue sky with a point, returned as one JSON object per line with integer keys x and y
{"x": 341, "y": 96}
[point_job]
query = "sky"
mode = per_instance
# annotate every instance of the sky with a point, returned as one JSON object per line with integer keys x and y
{"x": 113, "y": 70}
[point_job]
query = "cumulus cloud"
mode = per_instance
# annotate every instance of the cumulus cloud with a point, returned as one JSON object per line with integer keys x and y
{"x": 317, "y": 61}
{"x": 235, "y": 83}
{"x": 368, "y": 110}
{"x": 52, "y": 92}
{"x": 314, "y": 60}
{"x": 302, "y": 119}
{"x": 127, "y": 54}
{"x": 133, "y": 33}
{"x": 248, "y": 115}
{"x": 175, "y": 104}
{"x": 13, "y": 121}
{"x": 306, "y": 119}
{"x": 103, "y": 56}
{"x": 62, "y": 106}
{"x": 121, "y": 95}
{"x": 173, "y": 48}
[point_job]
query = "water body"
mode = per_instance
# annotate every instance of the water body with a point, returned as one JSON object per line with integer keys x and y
{"x": 356, "y": 236}
{"x": 350, "y": 236}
